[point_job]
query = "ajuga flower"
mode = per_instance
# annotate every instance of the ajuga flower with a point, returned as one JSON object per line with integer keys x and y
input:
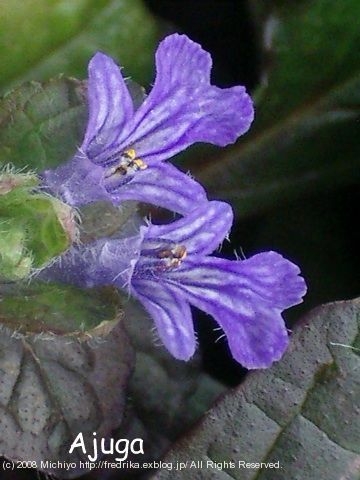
{"x": 169, "y": 267}
{"x": 123, "y": 151}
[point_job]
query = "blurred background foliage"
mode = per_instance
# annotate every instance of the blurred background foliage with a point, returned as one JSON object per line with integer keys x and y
{"x": 293, "y": 180}
{"x": 42, "y": 38}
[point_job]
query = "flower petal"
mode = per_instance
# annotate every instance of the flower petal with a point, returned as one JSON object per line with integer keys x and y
{"x": 171, "y": 314}
{"x": 201, "y": 230}
{"x": 183, "y": 108}
{"x": 162, "y": 185}
{"x": 102, "y": 262}
{"x": 246, "y": 298}
{"x": 110, "y": 104}
{"x": 77, "y": 182}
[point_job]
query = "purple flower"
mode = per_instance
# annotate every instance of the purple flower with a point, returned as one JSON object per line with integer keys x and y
{"x": 169, "y": 267}
{"x": 122, "y": 154}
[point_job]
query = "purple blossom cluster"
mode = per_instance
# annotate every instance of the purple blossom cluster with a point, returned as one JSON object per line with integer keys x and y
{"x": 170, "y": 267}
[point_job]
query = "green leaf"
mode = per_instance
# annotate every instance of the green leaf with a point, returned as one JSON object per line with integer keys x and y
{"x": 54, "y": 387}
{"x": 46, "y": 307}
{"x": 41, "y": 125}
{"x": 302, "y": 413}
{"x": 44, "y": 38}
{"x": 305, "y": 134}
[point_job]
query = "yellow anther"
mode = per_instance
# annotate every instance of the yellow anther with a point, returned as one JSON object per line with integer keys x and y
{"x": 128, "y": 164}
{"x": 130, "y": 154}
{"x": 140, "y": 164}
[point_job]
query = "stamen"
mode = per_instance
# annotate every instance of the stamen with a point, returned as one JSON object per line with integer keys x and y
{"x": 140, "y": 164}
{"x": 174, "y": 256}
{"x": 130, "y": 153}
{"x": 128, "y": 163}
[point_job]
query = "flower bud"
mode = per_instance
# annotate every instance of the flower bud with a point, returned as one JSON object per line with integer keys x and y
{"x": 34, "y": 226}
{"x": 15, "y": 260}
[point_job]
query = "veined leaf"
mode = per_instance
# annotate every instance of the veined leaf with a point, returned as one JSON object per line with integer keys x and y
{"x": 55, "y": 386}
{"x": 302, "y": 413}
{"x": 42, "y": 125}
